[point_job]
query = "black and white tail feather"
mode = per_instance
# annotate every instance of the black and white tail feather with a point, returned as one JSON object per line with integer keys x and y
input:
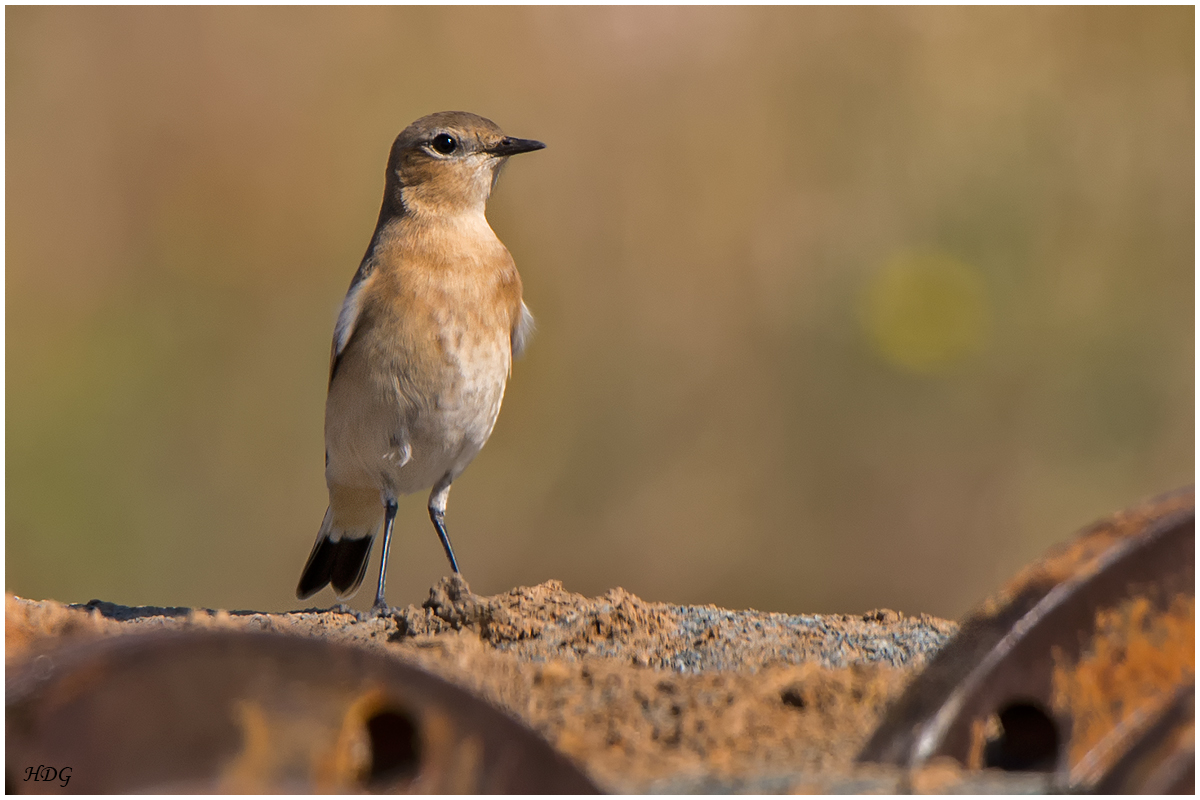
{"x": 340, "y": 561}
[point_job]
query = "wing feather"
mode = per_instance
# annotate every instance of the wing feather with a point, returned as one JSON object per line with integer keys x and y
{"x": 522, "y": 331}
{"x": 347, "y": 319}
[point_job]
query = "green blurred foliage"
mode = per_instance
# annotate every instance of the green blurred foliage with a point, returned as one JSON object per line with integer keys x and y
{"x": 925, "y": 313}
{"x": 838, "y": 308}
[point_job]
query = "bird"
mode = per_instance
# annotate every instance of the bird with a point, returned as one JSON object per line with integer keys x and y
{"x": 422, "y": 348}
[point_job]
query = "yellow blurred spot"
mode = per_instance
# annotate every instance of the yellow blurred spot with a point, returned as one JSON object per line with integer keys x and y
{"x": 925, "y": 312}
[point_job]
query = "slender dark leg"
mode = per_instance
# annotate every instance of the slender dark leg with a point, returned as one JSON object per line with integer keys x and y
{"x": 437, "y": 513}
{"x": 439, "y": 522}
{"x": 389, "y": 517}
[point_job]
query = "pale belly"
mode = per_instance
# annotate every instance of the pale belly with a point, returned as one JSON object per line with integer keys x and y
{"x": 397, "y": 432}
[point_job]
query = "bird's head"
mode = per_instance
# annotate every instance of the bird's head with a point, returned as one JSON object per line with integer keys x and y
{"x": 447, "y": 163}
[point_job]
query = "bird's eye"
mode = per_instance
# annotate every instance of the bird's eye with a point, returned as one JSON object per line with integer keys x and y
{"x": 445, "y": 144}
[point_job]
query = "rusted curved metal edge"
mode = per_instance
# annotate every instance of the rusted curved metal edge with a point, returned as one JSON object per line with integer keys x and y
{"x": 1157, "y": 755}
{"x": 1009, "y": 649}
{"x": 215, "y": 711}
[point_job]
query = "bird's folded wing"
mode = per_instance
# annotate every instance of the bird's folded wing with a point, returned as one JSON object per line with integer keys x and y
{"x": 522, "y": 331}
{"x": 348, "y": 317}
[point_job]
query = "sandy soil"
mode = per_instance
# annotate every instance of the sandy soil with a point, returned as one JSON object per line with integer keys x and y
{"x": 645, "y": 696}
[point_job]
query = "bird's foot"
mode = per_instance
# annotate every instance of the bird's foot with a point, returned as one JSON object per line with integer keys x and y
{"x": 342, "y": 608}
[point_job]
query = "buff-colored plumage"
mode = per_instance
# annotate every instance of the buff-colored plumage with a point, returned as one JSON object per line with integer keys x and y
{"x": 423, "y": 345}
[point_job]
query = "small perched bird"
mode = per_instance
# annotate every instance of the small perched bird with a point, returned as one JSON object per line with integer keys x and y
{"x": 423, "y": 345}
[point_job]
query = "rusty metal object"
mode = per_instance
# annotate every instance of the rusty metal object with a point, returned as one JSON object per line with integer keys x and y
{"x": 255, "y": 713}
{"x": 1083, "y": 664}
{"x": 1159, "y": 752}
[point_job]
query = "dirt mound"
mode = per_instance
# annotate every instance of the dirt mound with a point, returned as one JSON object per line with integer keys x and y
{"x": 646, "y": 696}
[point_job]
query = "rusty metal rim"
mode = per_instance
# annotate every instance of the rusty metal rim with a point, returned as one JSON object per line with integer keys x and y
{"x": 930, "y": 734}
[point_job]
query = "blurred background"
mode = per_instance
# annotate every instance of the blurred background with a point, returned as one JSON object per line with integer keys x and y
{"x": 838, "y": 308}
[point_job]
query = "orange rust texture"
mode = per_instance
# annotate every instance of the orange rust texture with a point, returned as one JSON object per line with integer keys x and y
{"x": 939, "y": 775}
{"x": 979, "y": 740}
{"x": 1081, "y": 555}
{"x": 1137, "y": 659}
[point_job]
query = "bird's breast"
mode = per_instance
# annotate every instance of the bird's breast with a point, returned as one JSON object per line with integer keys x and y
{"x": 428, "y": 364}
{"x": 449, "y": 353}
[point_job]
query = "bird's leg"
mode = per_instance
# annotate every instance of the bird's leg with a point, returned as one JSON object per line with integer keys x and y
{"x": 437, "y": 513}
{"x": 380, "y": 605}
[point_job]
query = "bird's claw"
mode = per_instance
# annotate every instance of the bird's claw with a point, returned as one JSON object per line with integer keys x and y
{"x": 342, "y": 608}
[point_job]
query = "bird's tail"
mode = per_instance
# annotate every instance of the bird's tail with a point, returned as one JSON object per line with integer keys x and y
{"x": 339, "y": 557}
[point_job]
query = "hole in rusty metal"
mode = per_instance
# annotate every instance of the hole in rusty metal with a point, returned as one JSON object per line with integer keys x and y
{"x": 1029, "y": 741}
{"x": 395, "y": 747}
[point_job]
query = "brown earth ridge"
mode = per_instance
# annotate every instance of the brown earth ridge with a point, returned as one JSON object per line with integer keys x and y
{"x": 644, "y": 696}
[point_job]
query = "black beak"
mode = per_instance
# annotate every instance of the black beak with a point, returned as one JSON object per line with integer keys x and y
{"x": 510, "y": 146}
